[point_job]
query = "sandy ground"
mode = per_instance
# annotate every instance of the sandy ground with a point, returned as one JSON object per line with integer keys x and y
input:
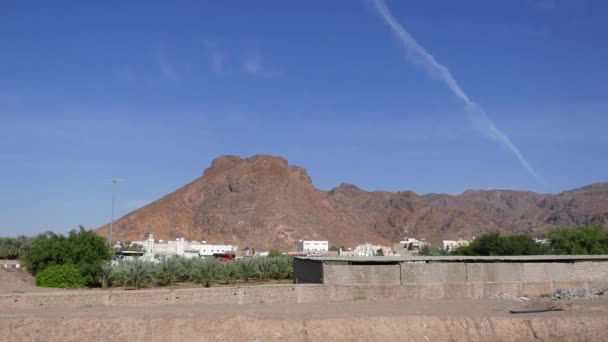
{"x": 360, "y": 320}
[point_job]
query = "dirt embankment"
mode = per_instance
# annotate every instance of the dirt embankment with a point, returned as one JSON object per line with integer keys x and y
{"x": 457, "y": 320}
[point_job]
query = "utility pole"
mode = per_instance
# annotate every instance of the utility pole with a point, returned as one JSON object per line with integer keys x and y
{"x": 114, "y": 181}
{"x": 250, "y": 210}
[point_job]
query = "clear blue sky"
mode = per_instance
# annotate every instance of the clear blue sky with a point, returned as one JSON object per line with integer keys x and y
{"x": 152, "y": 91}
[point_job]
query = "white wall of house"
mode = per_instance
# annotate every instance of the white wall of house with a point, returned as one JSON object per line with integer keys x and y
{"x": 312, "y": 246}
{"x": 179, "y": 247}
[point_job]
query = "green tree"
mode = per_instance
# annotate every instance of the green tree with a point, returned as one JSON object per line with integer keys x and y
{"x": 168, "y": 271}
{"x": 249, "y": 268}
{"x": 380, "y": 252}
{"x": 206, "y": 272}
{"x": 81, "y": 248}
{"x": 582, "y": 240}
{"x": 14, "y": 247}
{"x": 230, "y": 271}
{"x": 283, "y": 268}
{"x": 186, "y": 269}
{"x": 496, "y": 244}
{"x": 106, "y": 274}
{"x": 136, "y": 273}
{"x": 266, "y": 267}
{"x": 88, "y": 251}
{"x": 61, "y": 276}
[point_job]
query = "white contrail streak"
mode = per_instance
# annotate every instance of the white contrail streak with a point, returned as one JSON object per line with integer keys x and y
{"x": 477, "y": 115}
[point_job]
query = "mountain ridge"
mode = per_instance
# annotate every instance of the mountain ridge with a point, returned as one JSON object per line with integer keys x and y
{"x": 288, "y": 208}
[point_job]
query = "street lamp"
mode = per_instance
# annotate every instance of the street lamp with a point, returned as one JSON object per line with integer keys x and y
{"x": 250, "y": 210}
{"x": 114, "y": 181}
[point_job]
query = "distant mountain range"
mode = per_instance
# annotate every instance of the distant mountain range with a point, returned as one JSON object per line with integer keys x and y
{"x": 289, "y": 208}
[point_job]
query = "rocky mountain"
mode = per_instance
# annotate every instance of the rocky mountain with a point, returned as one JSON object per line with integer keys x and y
{"x": 289, "y": 208}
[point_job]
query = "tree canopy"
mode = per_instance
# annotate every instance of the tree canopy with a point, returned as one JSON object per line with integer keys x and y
{"x": 81, "y": 248}
{"x": 580, "y": 240}
{"x": 496, "y": 244}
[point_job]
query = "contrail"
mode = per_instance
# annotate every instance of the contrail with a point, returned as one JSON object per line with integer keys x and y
{"x": 477, "y": 115}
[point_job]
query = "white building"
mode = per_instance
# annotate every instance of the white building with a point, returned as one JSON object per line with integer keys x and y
{"x": 367, "y": 249}
{"x": 451, "y": 245}
{"x": 312, "y": 246}
{"x": 184, "y": 248}
{"x": 409, "y": 246}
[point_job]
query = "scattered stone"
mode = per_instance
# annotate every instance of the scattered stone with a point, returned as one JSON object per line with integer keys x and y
{"x": 568, "y": 294}
{"x": 506, "y": 296}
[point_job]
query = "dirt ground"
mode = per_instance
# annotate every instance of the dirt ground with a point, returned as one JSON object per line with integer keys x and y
{"x": 357, "y": 320}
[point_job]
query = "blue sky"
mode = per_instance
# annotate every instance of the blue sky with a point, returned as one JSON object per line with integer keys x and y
{"x": 152, "y": 91}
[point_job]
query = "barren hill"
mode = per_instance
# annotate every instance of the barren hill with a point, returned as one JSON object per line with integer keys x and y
{"x": 289, "y": 208}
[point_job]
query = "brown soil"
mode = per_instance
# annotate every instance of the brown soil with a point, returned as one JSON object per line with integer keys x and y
{"x": 445, "y": 320}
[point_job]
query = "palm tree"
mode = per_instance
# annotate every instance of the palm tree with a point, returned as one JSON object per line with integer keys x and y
{"x": 136, "y": 273}
{"x": 249, "y": 268}
{"x": 266, "y": 267}
{"x": 206, "y": 271}
{"x": 105, "y": 277}
{"x": 186, "y": 269}
{"x": 231, "y": 271}
{"x": 283, "y": 267}
{"x": 168, "y": 271}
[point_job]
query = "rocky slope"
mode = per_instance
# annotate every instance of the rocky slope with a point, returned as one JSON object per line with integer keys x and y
{"x": 289, "y": 208}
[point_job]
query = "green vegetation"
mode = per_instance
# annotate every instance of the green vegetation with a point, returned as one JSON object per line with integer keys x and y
{"x": 205, "y": 272}
{"x": 428, "y": 250}
{"x": 14, "y": 247}
{"x": 496, "y": 244}
{"x": 62, "y": 276}
{"x": 274, "y": 253}
{"x": 581, "y": 240}
{"x": 81, "y": 248}
{"x": 135, "y": 274}
{"x": 380, "y": 252}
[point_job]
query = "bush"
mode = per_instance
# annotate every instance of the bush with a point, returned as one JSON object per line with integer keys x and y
{"x": 496, "y": 244}
{"x": 81, "y": 248}
{"x": 273, "y": 253}
{"x": 61, "y": 276}
{"x": 581, "y": 240}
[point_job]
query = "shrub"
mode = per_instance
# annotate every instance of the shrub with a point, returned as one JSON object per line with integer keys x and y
{"x": 61, "y": 276}
{"x": 496, "y": 244}
{"x": 82, "y": 248}
{"x": 581, "y": 240}
{"x": 273, "y": 253}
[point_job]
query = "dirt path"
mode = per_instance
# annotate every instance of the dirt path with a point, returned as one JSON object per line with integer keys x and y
{"x": 445, "y": 320}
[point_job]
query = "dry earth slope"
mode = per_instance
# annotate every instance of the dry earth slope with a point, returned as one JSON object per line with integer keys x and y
{"x": 288, "y": 208}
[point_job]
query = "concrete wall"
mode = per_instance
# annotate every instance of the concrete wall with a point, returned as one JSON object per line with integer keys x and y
{"x": 361, "y": 274}
{"x": 463, "y": 272}
{"x": 413, "y": 280}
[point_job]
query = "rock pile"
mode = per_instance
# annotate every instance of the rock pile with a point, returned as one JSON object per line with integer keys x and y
{"x": 568, "y": 294}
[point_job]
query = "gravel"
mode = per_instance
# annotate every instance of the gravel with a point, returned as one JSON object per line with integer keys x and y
{"x": 568, "y": 294}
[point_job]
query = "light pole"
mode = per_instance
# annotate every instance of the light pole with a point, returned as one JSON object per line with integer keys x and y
{"x": 114, "y": 181}
{"x": 250, "y": 210}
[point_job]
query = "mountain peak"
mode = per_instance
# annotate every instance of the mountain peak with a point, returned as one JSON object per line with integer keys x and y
{"x": 288, "y": 208}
